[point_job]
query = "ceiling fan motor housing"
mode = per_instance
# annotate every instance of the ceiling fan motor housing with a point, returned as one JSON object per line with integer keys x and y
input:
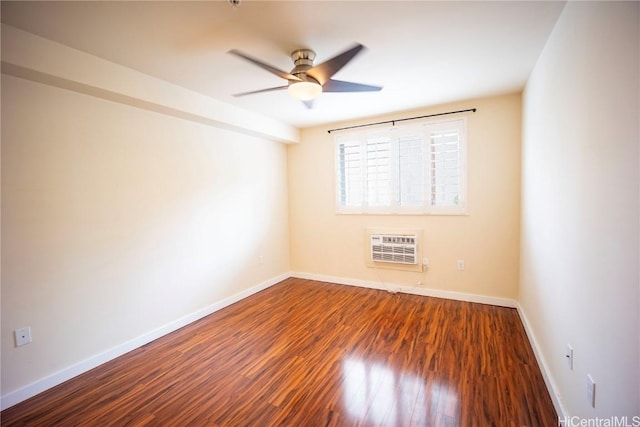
{"x": 303, "y": 60}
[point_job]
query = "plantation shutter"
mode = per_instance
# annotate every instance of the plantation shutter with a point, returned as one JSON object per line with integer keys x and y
{"x": 379, "y": 171}
{"x": 350, "y": 179}
{"x": 417, "y": 169}
{"x": 411, "y": 171}
{"x": 445, "y": 163}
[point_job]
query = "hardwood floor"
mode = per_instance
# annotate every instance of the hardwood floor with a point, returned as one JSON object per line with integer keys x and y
{"x": 305, "y": 353}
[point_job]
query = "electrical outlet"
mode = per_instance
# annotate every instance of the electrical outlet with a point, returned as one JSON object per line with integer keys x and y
{"x": 591, "y": 391}
{"x": 425, "y": 262}
{"x": 460, "y": 265}
{"x": 23, "y": 336}
{"x": 569, "y": 356}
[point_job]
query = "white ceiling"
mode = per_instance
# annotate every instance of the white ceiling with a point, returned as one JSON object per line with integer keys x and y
{"x": 423, "y": 53}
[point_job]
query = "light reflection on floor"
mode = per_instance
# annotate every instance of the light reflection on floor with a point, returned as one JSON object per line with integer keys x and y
{"x": 382, "y": 396}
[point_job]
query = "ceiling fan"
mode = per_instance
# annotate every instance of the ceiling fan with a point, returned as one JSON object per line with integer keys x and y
{"x": 306, "y": 81}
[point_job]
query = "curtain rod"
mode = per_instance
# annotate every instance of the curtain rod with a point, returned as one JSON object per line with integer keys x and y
{"x": 393, "y": 122}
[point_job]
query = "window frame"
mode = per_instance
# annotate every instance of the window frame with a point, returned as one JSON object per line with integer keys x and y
{"x": 395, "y": 133}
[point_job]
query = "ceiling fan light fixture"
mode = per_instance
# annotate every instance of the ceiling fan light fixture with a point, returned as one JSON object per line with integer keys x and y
{"x": 305, "y": 91}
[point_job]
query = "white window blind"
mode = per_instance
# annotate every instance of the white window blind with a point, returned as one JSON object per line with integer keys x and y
{"x": 406, "y": 169}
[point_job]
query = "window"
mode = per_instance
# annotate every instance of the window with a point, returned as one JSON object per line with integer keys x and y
{"x": 419, "y": 169}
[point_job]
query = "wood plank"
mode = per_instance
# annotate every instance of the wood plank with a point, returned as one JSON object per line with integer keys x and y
{"x": 315, "y": 354}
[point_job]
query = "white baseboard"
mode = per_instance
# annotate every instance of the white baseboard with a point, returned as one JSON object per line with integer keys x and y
{"x": 437, "y": 293}
{"x": 63, "y": 375}
{"x": 546, "y": 373}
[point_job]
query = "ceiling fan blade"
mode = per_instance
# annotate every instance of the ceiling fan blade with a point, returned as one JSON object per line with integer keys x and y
{"x": 308, "y": 104}
{"x": 271, "y": 89}
{"x": 323, "y": 72}
{"x": 269, "y": 68}
{"x": 341, "y": 86}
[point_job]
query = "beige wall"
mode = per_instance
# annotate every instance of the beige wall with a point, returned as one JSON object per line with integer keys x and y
{"x": 487, "y": 239}
{"x": 580, "y": 232}
{"x": 117, "y": 221}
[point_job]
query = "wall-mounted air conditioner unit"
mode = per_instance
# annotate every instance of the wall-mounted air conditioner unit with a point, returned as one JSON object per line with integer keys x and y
{"x": 394, "y": 248}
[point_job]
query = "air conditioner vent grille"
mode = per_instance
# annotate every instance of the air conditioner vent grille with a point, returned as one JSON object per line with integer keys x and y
{"x": 394, "y": 248}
